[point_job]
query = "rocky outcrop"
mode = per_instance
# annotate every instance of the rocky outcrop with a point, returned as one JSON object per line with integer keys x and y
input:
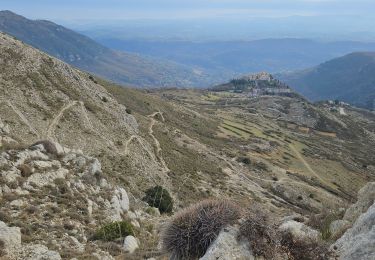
{"x": 10, "y": 237}
{"x": 358, "y": 242}
{"x": 366, "y": 197}
{"x": 119, "y": 204}
{"x": 226, "y": 246}
{"x": 299, "y": 230}
{"x": 60, "y": 191}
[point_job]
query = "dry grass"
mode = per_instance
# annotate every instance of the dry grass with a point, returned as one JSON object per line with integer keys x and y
{"x": 192, "y": 230}
{"x": 299, "y": 249}
{"x": 261, "y": 233}
{"x": 267, "y": 241}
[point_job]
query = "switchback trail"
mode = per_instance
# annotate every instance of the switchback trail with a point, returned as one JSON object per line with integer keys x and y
{"x": 156, "y": 141}
{"x": 51, "y": 128}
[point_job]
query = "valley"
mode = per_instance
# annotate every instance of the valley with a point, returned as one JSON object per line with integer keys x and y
{"x": 79, "y": 155}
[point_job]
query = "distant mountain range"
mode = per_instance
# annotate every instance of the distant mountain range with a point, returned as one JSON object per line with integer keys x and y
{"x": 88, "y": 55}
{"x": 350, "y": 78}
{"x": 234, "y": 58}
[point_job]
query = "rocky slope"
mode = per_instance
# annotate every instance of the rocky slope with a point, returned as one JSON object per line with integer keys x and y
{"x": 86, "y": 54}
{"x": 107, "y": 146}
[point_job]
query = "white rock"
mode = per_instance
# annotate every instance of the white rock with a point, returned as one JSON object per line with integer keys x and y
{"x": 11, "y": 236}
{"x": 130, "y": 244}
{"x": 103, "y": 183}
{"x": 37, "y": 252}
{"x": 299, "y": 230}
{"x": 95, "y": 167}
{"x": 59, "y": 149}
{"x": 358, "y": 242}
{"x": 366, "y": 197}
{"x": 226, "y": 246}
{"x": 11, "y": 175}
{"x": 119, "y": 204}
{"x": 132, "y": 215}
{"x": 18, "y": 203}
{"x": 43, "y": 179}
{"x": 38, "y": 147}
{"x": 30, "y": 155}
{"x": 89, "y": 207}
{"x": 135, "y": 223}
{"x": 42, "y": 164}
{"x": 6, "y": 189}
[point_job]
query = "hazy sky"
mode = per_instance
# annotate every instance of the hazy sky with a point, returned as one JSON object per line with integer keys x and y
{"x": 130, "y": 9}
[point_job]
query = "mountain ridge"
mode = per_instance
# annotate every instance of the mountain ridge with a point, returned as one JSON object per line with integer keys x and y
{"x": 86, "y": 54}
{"x": 349, "y": 78}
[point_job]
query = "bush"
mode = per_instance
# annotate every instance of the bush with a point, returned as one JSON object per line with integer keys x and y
{"x": 261, "y": 235}
{"x": 26, "y": 170}
{"x": 267, "y": 241}
{"x": 114, "y": 230}
{"x": 160, "y": 198}
{"x": 244, "y": 160}
{"x": 299, "y": 249}
{"x": 191, "y": 231}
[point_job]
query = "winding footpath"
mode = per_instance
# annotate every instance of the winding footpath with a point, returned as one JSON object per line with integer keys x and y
{"x": 156, "y": 141}
{"x": 52, "y": 127}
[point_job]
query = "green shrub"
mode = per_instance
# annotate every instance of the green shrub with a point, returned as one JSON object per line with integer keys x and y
{"x": 160, "y": 198}
{"x": 114, "y": 230}
{"x": 244, "y": 160}
{"x": 190, "y": 232}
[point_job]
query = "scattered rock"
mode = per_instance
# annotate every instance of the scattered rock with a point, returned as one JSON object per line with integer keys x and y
{"x": 11, "y": 236}
{"x": 226, "y": 247}
{"x": 130, "y": 244}
{"x": 299, "y": 230}
{"x": 119, "y": 204}
{"x": 37, "y": 252}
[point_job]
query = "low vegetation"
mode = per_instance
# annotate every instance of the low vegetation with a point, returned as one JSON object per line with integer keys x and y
{"x": 192, "y": 230}
{"x": 113, "y": 231}
{"x": 266, "y": 240}
{"x": 160, "y": 198}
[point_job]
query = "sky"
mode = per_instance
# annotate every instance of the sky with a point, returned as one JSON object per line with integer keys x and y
{"x": 184, "y": 9}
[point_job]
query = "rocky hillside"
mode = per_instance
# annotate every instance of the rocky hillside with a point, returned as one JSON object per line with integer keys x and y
{"x": 349, "y": 78}
{"x": 86, "y": 54}
{"x": 92, "y": 170}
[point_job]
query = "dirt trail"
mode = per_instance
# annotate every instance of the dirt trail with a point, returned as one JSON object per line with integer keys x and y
{"x": 140, "y": 141}
{"x": 307, "y": 165}
{"x": 51, "y": 128}
{"x": 23, "y": 118}
{"x": 156, "y": 141}
{"x": 88, "y": 121}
